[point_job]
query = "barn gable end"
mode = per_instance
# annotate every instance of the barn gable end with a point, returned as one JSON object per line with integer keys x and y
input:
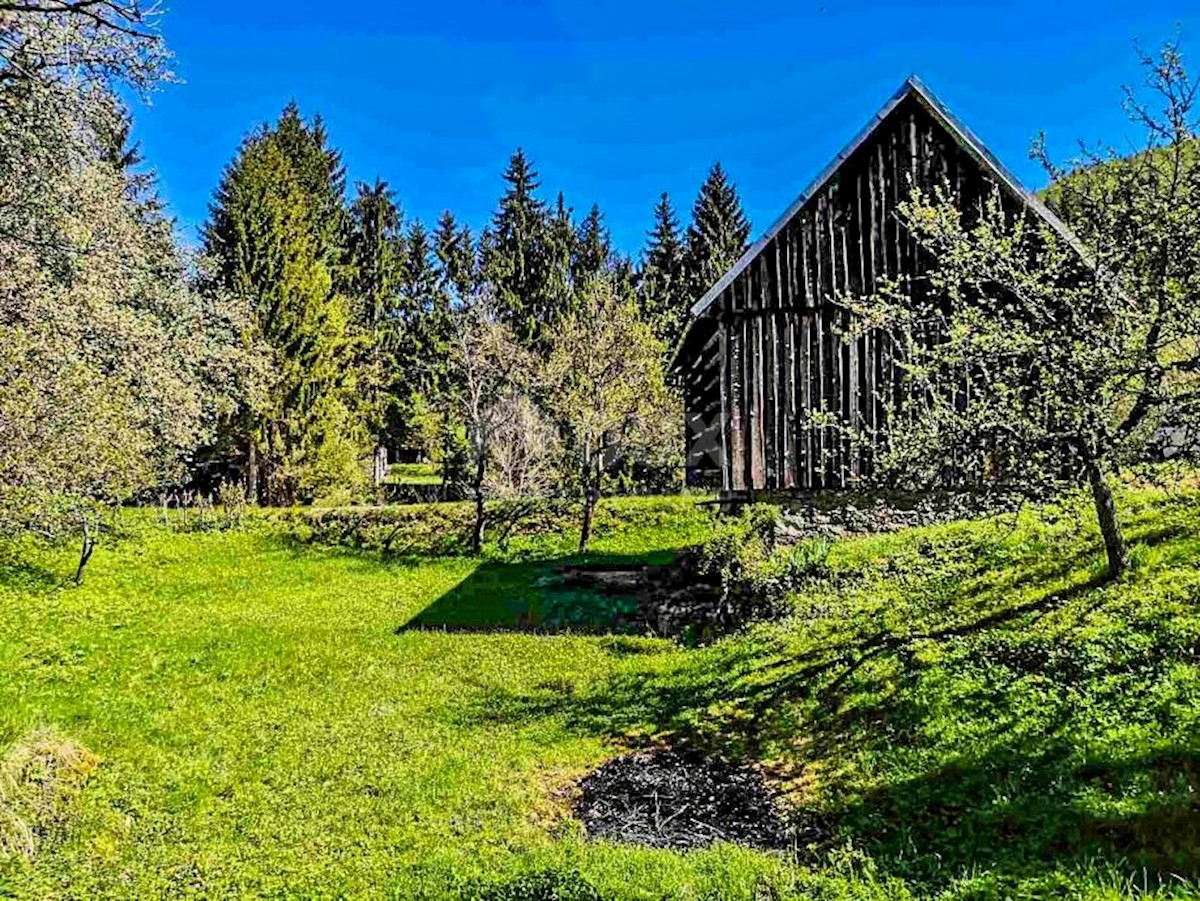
{"x": 764, "y": 348}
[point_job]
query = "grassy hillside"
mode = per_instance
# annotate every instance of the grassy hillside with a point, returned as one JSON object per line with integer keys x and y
{"x": 961, "y": 711}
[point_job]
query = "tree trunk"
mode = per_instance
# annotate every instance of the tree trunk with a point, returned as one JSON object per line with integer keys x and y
{"x": 379, "y": 466}
{"x": 591, "y": 493}
{"x": 477, "y": 532}
{"x": 444, "y": 488}
{"x": 1110, "y": 527}
{"x": 252, "y": 472}
{"x": 85, "y": 553}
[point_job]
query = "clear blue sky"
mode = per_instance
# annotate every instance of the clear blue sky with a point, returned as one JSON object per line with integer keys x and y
{"x": 616, "y": 101}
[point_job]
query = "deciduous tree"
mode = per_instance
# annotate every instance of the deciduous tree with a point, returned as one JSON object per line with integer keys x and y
{"x": 112, "y": 363}
{"x": 492, "y": 372}
{"x": 1034, "y": 362}
{"x": 605, "y": 388}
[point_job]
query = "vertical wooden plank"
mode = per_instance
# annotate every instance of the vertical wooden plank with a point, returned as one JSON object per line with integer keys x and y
{"x": 789, "y": 401}
{"x": 861, "y": 233}
{"x": 806, "y": 244}
{"x": 750, "y": 365}
{"x": 897, "y": 192}
{"x": 804, "y": 374}
{"x": 832, "y": 354}
{"x": 820, "y": 254}
{"x": 880, "y": 183}
{"x": 913, "y": 178}
{"x": 787, "y": 369}
{"x": 758, "y": 440}
{"x": 747, "y": 382}
{"x": 878, "y": 269}
{"x": 767, "y": 371}
{"x": 795, "y": 298}
{"x": 779, "y": 374}
{"x": 851, "y": 273}
{"x": 806, "y": 238}
{"x": 819, "y": 359}
{"x": 723, "y": 378}
{"x": 737, "y": 382}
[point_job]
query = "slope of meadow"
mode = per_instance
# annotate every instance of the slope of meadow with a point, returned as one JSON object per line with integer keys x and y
{"x": 958, "y": 711}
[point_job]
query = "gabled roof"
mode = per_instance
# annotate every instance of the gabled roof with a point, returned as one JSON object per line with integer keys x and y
{"x": 962, "y": 135}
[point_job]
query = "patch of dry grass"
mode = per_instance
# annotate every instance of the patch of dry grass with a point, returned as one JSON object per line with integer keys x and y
{"x": 41, "y": 775}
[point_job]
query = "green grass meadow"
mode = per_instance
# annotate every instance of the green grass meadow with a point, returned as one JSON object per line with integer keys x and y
{"x": 414, "y": 474}
{"x": 960, "y": 711}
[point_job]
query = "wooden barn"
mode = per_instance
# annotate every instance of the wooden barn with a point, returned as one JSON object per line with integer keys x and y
{"x": 764, "y": 346}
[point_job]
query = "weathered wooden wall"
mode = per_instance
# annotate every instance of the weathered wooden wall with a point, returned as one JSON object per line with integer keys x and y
{"x": 773, "y": 351}
{"x": 702, "y": 405}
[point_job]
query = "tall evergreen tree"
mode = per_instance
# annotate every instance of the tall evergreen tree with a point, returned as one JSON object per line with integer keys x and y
{"x": 322, "y": 178}
{"x": 458, "y": 288}
{"x": 376, "y": 251}
{"x": 423, "y": 359}
{"x": 592, "y": 255}
{"x": 270, "y": 232}
{"x": 664, "y": 293}
{"x": 515, "y": 252}
{"x": 719, "y": 233}
{"x": 560, "y": 251}
{"x": 377, "y": 259}
{"x": 419, "y": 276}
{"x": 458, "y": 267}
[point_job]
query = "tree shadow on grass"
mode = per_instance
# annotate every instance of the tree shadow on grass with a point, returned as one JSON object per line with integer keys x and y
{"x": 1023, "y": 811}
{"x": 728, "y": 697}
{"x": 27, "y": 576}
{"x": 530, "y": 596}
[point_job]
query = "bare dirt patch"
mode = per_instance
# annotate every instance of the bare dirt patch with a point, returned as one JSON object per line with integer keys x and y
{"x": 680, "y": 800}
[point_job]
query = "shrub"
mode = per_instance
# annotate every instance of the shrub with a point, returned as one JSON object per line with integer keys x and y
{"x": 755, "y": 572}
{"x": 525, "y": 528}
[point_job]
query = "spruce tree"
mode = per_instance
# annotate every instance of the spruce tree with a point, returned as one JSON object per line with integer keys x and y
{"x": 275, "y": 231}
{"x": 422, "y": 359}
{"x": 376, "y": 251}
{"x": 664, "y": 293}
{"x": 560, "y": 249}
{"x": 376, "y": 256}
{"x": 719, "y": 232}
{"x": 458, "y": 268}
{"x": 458, "y": 288}
{"x": 419, "y": 277}
{"x": 322, "y": 178}
{"x": 593, "y": 249}
{"x": 515, "y": 252}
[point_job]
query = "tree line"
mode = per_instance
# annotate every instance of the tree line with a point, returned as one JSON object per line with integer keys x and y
{"x": 354, "y": 307}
